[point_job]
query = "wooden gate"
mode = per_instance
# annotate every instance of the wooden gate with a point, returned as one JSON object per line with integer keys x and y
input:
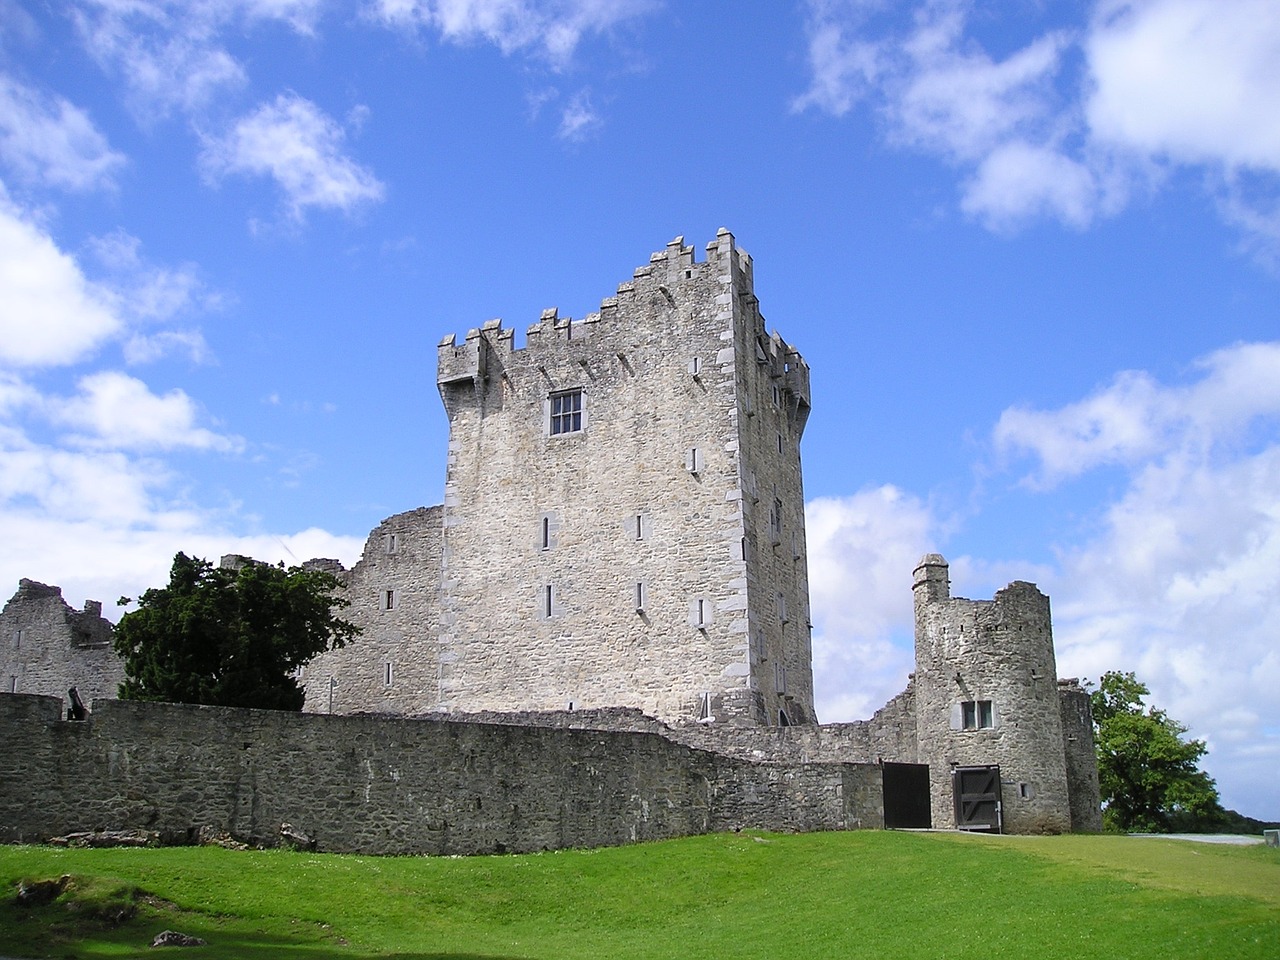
{"x": 977, "y": 798}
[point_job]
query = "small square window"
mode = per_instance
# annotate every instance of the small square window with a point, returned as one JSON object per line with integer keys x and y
{"x": 977, "y": 715}
{"x": 566, "y": 412}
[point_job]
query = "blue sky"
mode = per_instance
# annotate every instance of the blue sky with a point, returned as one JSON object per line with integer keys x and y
{"x": 1030, "y": 249}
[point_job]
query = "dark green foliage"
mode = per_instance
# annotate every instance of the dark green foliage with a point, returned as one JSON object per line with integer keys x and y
{"x": 230, "y": 638}
{"x": 1149, "y": 774}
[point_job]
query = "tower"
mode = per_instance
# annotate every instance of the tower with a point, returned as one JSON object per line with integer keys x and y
{"x": 623, "y": 521}
{"x": 988, "y": 708}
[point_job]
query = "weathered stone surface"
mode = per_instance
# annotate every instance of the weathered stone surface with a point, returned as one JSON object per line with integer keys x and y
{"x": 172, "y": 938}
{"x": 36, "y": 893}
{"x": 47, "y": 648}
{"x": 376, "y": 784}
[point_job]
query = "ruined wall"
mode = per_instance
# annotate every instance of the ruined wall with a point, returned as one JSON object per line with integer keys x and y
{"x": 394, "y": 589}
{"x": 1081, "y": 756}
{"x": 46, "y": 647}
{"x": 601, "y": 561}
{"x": 997, "y": 653}
{"x": 383, "y": 785}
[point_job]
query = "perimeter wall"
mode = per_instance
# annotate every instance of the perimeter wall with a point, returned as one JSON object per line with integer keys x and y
{"x": 382, "y": 785}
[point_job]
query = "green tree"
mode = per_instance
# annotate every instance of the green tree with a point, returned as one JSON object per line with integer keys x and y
{"x": 231, "y": 638}
{"x": 1149, "y": 774}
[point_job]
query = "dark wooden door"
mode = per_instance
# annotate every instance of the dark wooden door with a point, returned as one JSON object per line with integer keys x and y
{"x": 977, "y": 798}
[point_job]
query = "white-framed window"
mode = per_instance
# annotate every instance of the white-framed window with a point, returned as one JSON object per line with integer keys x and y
{"x": 977, "y": 715}
{"x": 695, "y": 366}
{"x": 566, "y": 412}
{"x": 389, "y": 599}
{"x": 693, "y": 461}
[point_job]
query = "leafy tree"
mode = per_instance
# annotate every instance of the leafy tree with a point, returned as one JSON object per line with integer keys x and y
{"x": 1149, "y": 774}
{"x": 229, "y": 638}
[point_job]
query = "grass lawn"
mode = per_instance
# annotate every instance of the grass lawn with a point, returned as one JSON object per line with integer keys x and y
{"x": 870, "y": 894}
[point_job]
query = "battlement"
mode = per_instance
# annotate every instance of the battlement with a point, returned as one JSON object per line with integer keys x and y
{"x": 485, "y": 347}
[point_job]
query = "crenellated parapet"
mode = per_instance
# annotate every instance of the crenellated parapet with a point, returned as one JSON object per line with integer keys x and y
{"x": 653, "y": 287}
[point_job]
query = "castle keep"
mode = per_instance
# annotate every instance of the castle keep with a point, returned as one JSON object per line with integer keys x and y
{"x": 619, "y": 570}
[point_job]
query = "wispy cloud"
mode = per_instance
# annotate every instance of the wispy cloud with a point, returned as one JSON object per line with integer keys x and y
{"x": 553, "y": 28}
{"x": 170, "y": 53}
{"x": 295, "y": 143}
{"x": 1077, "y": 120}
{"x": 46, "y": 139}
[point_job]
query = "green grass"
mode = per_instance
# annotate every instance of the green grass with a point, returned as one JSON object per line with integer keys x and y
{"x": 849, "y": 895}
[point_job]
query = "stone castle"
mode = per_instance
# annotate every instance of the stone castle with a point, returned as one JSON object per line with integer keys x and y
{"x": 621, "y": 548}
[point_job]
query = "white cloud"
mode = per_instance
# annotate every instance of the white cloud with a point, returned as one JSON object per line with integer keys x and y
{"x": 300, "y": 147}
{"x": 168, "y": 52}
{"x": 1017, "y": 181}
{"x": 1197, "y": 81}
{"x": 50, "y": 314}
{"x": 843, "y": 66}
{"x": 46, "y": 139}
{"x": 1165, "y": 83}
{"x": 1135, "y": 418}
{"x": 1179, "y": 584}
{"x": 862, "y": 550}
{"x": 579, "y": 118}
{"x": 554, "y": 28}
{"x": 118, "y": 412}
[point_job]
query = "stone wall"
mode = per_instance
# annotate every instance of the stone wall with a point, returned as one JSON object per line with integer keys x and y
{"x": 47, "y": 647}
{"x": 382, "y": 785}
{"x": 994, "y": 658}
{"x": 1081, "y": 756}
{"x": 652, "y": 553}
{"x": 394, "y": 589}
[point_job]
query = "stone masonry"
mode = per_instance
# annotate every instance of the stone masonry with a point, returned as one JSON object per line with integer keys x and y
{"x": 47, "y": 647}
{"x": 647, "y": 547}
{"x": 621, "y": 551}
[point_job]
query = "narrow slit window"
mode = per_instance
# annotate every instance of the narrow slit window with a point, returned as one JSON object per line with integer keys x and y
{"x": 548, "y": 600}
{"x": 695, "y": 366}
{"x": 386, "y": 673}
{"x": 782, "y": 609}
{"x": 639, "y": 526}
{"x": 391, "y": 543}
{"x": 640, "y": 597}
{"x": 388, "y": 600}
{"x": 546, "y": 533}
{"x": 693, "y": 460}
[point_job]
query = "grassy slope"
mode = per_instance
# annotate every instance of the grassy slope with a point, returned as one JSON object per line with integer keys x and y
{"x": 866, "y": 894}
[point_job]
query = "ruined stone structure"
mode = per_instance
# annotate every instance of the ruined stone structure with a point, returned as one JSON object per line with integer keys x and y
{"x": 47, "y": 647}
{"x": 623, "y": 527}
